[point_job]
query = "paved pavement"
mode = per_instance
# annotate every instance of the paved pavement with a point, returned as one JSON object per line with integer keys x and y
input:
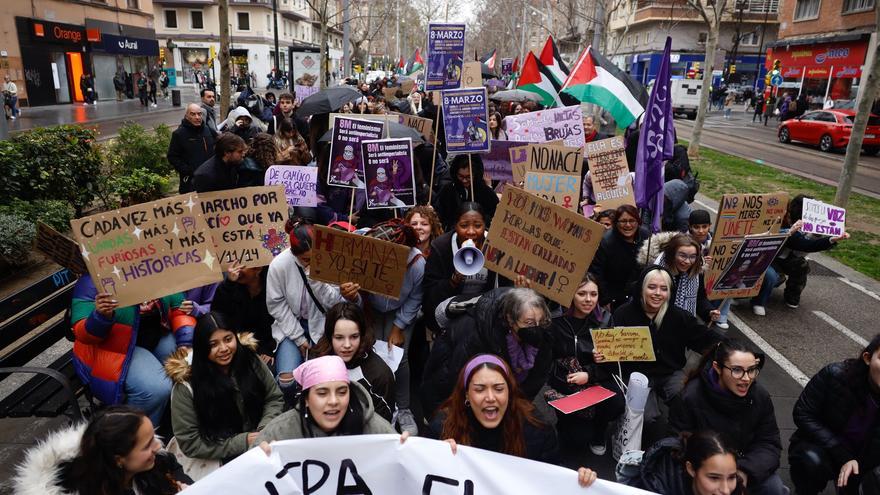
{"x": 741, "y": 137}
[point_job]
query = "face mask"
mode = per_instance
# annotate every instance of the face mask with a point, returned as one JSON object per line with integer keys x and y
{"x": 533, "y": 336}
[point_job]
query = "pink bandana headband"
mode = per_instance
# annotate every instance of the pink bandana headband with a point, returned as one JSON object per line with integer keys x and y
{"x": 321, "y": 370}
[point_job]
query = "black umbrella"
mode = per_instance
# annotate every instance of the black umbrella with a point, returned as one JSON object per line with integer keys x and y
{"x": 328, "y": 100}
{"x": 517, "y": 95}
{"x": 393, "y": 130}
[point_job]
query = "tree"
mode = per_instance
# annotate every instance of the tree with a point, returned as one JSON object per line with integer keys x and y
{"x": 857, "y": 136}
{"x": 225, "y": 59}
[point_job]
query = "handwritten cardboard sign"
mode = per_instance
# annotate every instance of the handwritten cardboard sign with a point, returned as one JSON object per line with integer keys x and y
{"x": 60, "y": 249}
{"x": 565, "y": 123}
{"x": 822, "y": 218}
{"x": 421, "y": 124}
{"x": 377, "y": 266}
{"x": 609, "y": 173}
{"x": 751, "y": 260}
{"x": 247, "y": 224}
{"x": 472, "y": 75}
{"x": 624, "y": 343}
{"x": 300, "y": 183}
{"x": 546, "y": 243}
{"x": 740, "y": 215}
{"x": 553, "y": 172}
{"x": 519, "y": 162}
{"x": 390, "y": 93}
{"x": 559, "y": 189}
{"x": 148, "y": 250}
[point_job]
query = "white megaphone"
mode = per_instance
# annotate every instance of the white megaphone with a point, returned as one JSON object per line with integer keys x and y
{"x": 468, "y": 260}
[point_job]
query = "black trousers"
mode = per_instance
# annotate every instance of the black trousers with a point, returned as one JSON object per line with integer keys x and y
{"x": 575, "y": 432}
{"x": 812, "y": 468}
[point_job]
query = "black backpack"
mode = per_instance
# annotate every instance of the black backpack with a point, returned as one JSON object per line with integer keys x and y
{"x": 679, "y": 167}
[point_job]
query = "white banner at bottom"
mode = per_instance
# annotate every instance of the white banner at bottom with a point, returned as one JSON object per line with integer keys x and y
{"x": 380, "y": 464}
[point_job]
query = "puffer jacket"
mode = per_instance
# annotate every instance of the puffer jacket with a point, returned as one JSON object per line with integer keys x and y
{"x": 102, "y": 348}
{"x": 571, "y": 337}
{"x": 479, "y": 331}
{"x": 185, "y": 422}
{"x": 748, "y": 422}
{"x": 615, "y": 266}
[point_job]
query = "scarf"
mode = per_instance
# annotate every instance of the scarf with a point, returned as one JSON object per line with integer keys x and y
{"x": 522, "y": 357}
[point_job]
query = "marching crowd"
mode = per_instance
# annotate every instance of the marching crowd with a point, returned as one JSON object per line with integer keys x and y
{"x": 272, "y": 354}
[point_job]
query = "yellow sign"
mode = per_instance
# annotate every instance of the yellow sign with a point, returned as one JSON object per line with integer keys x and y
{"x": 213, "y": 53}
{"x": 624, "y": 343}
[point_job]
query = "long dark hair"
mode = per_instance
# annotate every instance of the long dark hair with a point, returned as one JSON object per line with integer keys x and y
{"x": 352, "y": 423}
{"x": 700, "y": 446}
{"x": 214, "y": 391}
{"x": 112, "y": 432}
{"x": 671, "y": 248}
{"x": 345, "y": 311}
{"x": 721, "y": 351}
{"x": 857, "y": 372}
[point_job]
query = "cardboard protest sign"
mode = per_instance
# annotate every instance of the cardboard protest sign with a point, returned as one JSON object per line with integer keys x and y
{"x": 624, "y": 343}
{"x": 300, "y": 183}
{"x": 559, "y": 189}
{"x": 148, "y": 250}
{"x": 407, "y": 86}
{"x": 549, "y": 245}
{"x": 822, "y": 218}
{"x": 554, "y": 159}
{"x": 609, "y": 173}
{"x": 445, "y": 56}
{"x": 247, "y": 224}
{"x": 582, "y": 400}
{"x": 388, "y": 169}
{"x": 345, "y": 150}
{"x": 423, "y": 125}
{"x": 565, "y": 123}
{"x": 506, "y": 66}
{"x": 472, "y": 75}
{"x": 465, "y": 120}
{"x": 339, "y": 257}
{"x": 740, "y": 215}
{"x": 752, "y": 258}
{"x": 381, "y": 464}
{"x": 390, "y": 93}
{"x": 60, "y": 249}
{"x": 553, "y": 172}
{"x": 519, "y": 163}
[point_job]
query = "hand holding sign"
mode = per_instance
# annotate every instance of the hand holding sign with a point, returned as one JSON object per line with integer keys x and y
{"x": 624, "y": 343}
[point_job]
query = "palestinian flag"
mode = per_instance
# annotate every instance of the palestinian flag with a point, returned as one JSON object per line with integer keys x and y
{"x": 595, "y": 79}
{"x": 400, "y": 66}
{"x": 515, "y": 68}
{"x": 489, "y": 59}
{"x": 415, "y": 63}
{"x": 538, "y": 79}
{"x": 553, "y": 61}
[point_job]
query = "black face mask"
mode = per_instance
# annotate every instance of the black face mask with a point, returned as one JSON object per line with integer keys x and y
{"x": 533, "y": 336}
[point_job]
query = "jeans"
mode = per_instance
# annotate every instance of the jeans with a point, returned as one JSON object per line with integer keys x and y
{"x": 812, "y": 468}
{"x": 10, "y": 102}
{"x": 382, "y": 323}
{"x": 771, "y": 486}
{"x": 724, "y": 307}
{"x": 287, "y": 358}
{"x": 770, "y": 279}
{"x": 147, "y": 387}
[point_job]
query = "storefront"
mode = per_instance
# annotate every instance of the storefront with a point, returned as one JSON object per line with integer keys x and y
{"x": 644, "y": 67}
{"x": 191, "y": 58}
{"x": 113, "y": 52}
{"x": 821, "y": 70}
{"x": 56, "y": 57}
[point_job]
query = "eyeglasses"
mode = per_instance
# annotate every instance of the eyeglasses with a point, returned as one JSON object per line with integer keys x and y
{"x": 686, "y": 257}
{"x": 738, "y": 372}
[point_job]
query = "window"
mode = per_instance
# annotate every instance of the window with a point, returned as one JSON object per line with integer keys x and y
{"x": 244, "y": 21}
{"x": 806, "y": 9}
{"x": 850, "y": 6}
{"x": 171, "y": 19}
{"x": 286, "y": 29}
{"x": 750, "y": 39}
{"x": 826, "y": 117}
{"x": 132, "y": 4}
{"x": 647, "y": 37}
{"x": 703, "y": 37}
{"x": 196, "y": 21}
{"x": 269, "y": 23}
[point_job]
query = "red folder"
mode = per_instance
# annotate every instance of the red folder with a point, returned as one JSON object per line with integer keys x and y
{"x": 583, "y": 399}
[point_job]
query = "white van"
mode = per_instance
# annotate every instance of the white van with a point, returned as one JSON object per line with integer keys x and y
{"x": 686, "y": 96}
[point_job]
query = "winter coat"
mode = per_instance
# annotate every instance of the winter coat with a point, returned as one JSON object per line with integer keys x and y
{"x": 251, "y": 313}
{"x": 43, "y": 470}
{"x": 615, "y": 266}
{"x": 102, "y": 348}
{"x": 824, "y": 409}
{"x": 185, "y": 421}
{"x": 291, "y": 425}
{"x": 215, "y": 175}
{"x": 246, "y": 133}
{"x": 541, "y": 442}
{"x": 748, "y": 422}
{"x": 377, "y": 378}
{"x": 209, "y": 116}
{"x": 479, "y": 331}
{"x": 570, "y": 337}
{"x": 690, "y": 291}
{"x": 661, "y": 470}
{"x": 453, "y": 194}
{"x": 190, "y": 147}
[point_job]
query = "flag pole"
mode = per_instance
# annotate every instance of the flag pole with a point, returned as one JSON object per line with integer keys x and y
{"x": 351, "y": 206}
{"x": 471, "y": 172}
{"x": 434, "y": 155}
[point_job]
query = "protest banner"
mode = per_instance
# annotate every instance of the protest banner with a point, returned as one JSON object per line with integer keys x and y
{"x": 506, "y": 66}
{"x": 582, "y": 400}
{"x": 624, "y": 343}
{"x": 247, "y": 224}
{"x": 822, "y": 218}
{"x": 445, "y": 56}
{"x": 301, "y": 92}
{"x": 519, "y": 162}
{"x": 465, "y": 120}
{"x": 554, "y": 159}
{"x": 388, "y": 169}
{"x": 339, "y": 257}
{"x": 496, "y": 163}
{"x": 345, "y": 150}
{"x": 472, "y": 75}
{"x": 565, "y": 123}
{"x": 553, "y": 172}
{"x": 752, "y": 258}
{"x": 148, "y": 250}
{"x": 421, "y": 124}
{"x": 549, "y": 245}
{"x": 609, "y": 173}
{"x": 300, "y": 183}
{"x": 740, "y": 215}
{"x": 380, "y": 464}
{"x": 59, "y": 248}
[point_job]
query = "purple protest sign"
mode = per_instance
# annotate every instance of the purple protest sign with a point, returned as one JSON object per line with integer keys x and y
{"x": 496, "y": 163}
{"x": 345, "y": 150}
{"x": 506, "y": 66}
{"x": 388, "y": 169}
{"x": 465, "y": 120}
{"x": 445, "y": 56}
{"x": 300, "y": 183}
{"x": 302, "y": 92}
{"x": 822, "y": 218}
{"x": 566, "y": 123}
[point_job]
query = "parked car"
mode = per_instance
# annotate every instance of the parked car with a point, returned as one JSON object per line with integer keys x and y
{"x": 829, "y": 130}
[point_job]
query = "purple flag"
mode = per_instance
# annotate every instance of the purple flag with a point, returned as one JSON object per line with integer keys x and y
{"x": 656, "y": 139}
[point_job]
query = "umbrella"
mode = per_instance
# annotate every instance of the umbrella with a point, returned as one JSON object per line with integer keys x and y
{"x": 395, "y": 130}
{"x": 517, "y": 95}
{"x": 328, "y": 100}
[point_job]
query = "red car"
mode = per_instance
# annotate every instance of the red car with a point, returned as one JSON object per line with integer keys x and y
{"x": 829, "y": 129}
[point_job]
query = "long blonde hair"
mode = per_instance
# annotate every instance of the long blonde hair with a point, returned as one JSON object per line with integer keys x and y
{"x": 658, "y": 319}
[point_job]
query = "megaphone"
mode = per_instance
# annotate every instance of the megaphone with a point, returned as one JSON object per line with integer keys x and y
{"x": 468, "y": 260}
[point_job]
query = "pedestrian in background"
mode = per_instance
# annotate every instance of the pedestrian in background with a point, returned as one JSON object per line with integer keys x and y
{"x": 119, "y": 84}
{"x": 88, "y": 89}
{"x": 769, "y": 106}
{"x": 10, "y": 91}
{"x": 191, "y": 145}
{"x": 729, "y": 100}
{"x": 143, "y": 90}
{"x": 759, "y": 107}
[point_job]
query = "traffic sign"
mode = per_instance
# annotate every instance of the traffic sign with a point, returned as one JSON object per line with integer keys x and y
{"x": 776, "y": 80}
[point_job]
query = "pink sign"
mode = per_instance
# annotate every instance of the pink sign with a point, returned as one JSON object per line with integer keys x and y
{"x": 582, "y": 400}
{"x": 300, "y": 183}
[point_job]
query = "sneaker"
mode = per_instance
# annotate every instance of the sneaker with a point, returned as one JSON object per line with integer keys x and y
{"x": 154, "y": 105}
{"x": 12, "y": 118}
{"x": 407, "y": 422}
{"x": 792, "y": 305}
{"x": 759, "y": 310}
{"x": 598, "y": 449}
{"x": 85, "y": 104}
{"x": 722, "y": 325}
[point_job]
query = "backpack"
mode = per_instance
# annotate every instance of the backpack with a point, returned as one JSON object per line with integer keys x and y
{"x": 679, "y": 167}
